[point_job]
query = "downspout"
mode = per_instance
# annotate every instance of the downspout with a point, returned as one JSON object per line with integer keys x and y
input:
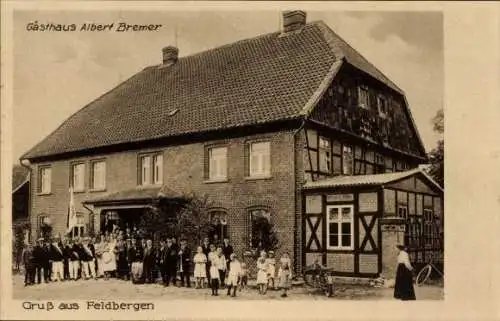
{"x": 295, "y": 225}
{"x": 29, "y": 194}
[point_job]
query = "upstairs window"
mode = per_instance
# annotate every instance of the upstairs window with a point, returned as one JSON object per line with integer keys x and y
{"x": 260, "y": 159}
{"x": 151, "y": 169}
{"x": 44, "y": 180}
{"x": 78, "y": 177}
{"x": 403, "y": 212}
{"x": 347, "y": 160}
{"x": 363, "y": 100}
{"x": 382, "y": 106}
{"x": 217, "y": 166}
{"x": 340, "y": 227}
{"x": 158, "y": 169}
{"x": 325, "y": 155}
{"x": 98, "y": 176}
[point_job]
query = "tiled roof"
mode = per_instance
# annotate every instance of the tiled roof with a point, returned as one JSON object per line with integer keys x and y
{"x": 20, "y": 175}
{"x": 367, "y": 180}
{"x": 254, "y": 81}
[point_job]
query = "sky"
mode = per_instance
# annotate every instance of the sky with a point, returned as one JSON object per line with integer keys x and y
{"x": 58, "y": 73}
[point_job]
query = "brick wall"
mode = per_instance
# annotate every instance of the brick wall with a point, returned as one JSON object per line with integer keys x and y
{"x": 184, "y": 172}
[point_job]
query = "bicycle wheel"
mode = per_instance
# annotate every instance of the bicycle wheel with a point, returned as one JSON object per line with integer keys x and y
{"x": 423, "y": 275}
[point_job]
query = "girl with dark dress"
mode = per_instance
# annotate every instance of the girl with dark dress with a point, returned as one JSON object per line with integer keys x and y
{"x": 403, "y": 289}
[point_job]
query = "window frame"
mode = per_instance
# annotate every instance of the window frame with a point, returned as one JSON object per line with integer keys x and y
{"x": 223, "y": 226}
{"x": 339, "y": 221}
{"x": 211, "y": 161}
{"x": 92, "y": 181}
{"x": 405, "y": 208}
{"x": 79, "y": 227}
{"x": 41, "y": 185}
{"x": 363, "y": 104}
{"x": 72, "y": 172}
{"x": 325, "y": 155}
{"x": 382, "y": 103}
{"x": 250, "y": 232}
{"x": 151, "y": 166}
{"x": 344, "y": 148}
{"x": 266, "y": 172}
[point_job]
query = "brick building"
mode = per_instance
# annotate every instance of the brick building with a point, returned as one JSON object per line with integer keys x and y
{"x": 250, "y": 124}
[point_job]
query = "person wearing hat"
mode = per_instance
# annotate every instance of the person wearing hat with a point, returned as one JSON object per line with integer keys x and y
{"x": 28, "y": 259}
{"x": 38, "y": 255}
{"x": 149, "y": 261}
{"x": 56, "y": 255}
{"x": 403, "y": 288}
{"x": 227, "y": 250}
{"x": 88, "y": 259}
{"x": 46, "y": 261}
{"x": 234, "y": 274}
{"x": 184, "y": 263}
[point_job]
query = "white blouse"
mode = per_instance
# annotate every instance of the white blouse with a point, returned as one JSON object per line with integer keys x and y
{"x": 404, "y": 258}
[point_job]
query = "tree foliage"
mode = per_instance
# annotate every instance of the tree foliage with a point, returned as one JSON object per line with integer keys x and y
{"x": 264, "y": 236}
{"x": 187, "y": 218}
{"x": 436, "y": 156}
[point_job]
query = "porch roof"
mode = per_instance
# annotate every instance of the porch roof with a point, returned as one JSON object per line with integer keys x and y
{"x": 368, "y": 180}
{"x": 136, "y": 195}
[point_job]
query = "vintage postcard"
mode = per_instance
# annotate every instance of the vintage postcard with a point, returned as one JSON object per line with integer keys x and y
{"x": 229, "y": 160}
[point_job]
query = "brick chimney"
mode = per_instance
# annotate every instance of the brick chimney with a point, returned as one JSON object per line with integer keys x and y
{"x": 293, "y": 20}
{"x": 170, "y": 55}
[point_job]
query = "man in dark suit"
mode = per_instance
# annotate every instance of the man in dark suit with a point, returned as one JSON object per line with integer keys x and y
{"x": 171, "y": 263}
{"x": 227, "y": 250}
{"x": 66, "y": 258}
{"x": 46, "y": 262}
{"x": 28, "y": 259}
{"x": 161, "y": 257}
{"x": 38, "y": 255}
{"x": 149, "y": 261}
{"x": 185, "y": 263}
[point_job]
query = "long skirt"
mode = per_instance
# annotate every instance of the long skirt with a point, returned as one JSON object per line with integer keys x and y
{"x": 403, "y": 289}
{"x": 137, "y": 272}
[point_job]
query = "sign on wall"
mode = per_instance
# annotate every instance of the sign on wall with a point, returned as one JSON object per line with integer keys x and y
{"x": 340, "y": 197}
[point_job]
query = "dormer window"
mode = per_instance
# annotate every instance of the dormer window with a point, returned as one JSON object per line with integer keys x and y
{"x": 363, "y": 100}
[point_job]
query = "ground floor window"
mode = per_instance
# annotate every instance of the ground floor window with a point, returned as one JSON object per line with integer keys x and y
{"x": 79, "y": 229}
{"x": 260, "y": 228}
{"x": 340, "y": 227}
{"x": 219, "y": 222}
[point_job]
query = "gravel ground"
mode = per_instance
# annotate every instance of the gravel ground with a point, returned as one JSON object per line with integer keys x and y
{"x": 117, "y": 289}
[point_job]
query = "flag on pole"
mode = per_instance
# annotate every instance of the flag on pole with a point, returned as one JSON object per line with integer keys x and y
{"x": 71, "y": 212}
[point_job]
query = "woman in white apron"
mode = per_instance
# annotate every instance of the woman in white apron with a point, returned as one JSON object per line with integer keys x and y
{"x": 109, "y": 258}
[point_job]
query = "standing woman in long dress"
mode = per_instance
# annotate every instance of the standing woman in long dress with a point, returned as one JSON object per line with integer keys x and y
{"x": 109, "y": 257}
{"x": 403, "y": 289}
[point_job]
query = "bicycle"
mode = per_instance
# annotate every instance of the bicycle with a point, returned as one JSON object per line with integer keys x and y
{"x": 320, "y": 278}
{"x": 424, "y": 273}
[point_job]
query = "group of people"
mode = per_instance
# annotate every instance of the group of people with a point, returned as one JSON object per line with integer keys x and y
{"x": 126, "y": 256}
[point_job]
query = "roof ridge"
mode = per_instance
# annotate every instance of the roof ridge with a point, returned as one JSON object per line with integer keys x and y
{"x": 324, "y": 25}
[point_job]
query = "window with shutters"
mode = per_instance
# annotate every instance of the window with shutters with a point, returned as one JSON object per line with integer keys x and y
{"x": 98, "y": 175}
{"x": 260, "y": 160}
{"x": 78, "y": 177}
{"x": 340, "y": 227}
{"x": 217, "y": 164}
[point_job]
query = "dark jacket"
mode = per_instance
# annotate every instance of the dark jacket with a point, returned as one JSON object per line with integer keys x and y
{"x": 67, "y": 252}
{"x": 75, "y": 252}
{"x": 135, "y": 254}
{"x": 28, "y": 257}
{"x": 55, "y": 254}
{"x": 38, "y": 254}
{"x": 185, "y": 258}
{"x": 227, "y": 251}
{"x": 149, "y": 256}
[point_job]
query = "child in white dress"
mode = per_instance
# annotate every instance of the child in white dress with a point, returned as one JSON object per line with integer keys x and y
{"x": 262, "y": 273}
{"x": 200, "y": 272}
{"x": 233, "y": 277}
{"x": 271, "y": 270}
